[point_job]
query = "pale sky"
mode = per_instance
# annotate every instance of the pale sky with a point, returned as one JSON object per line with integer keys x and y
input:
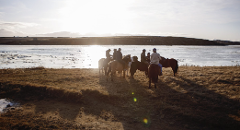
{"x": 204, "y": 19}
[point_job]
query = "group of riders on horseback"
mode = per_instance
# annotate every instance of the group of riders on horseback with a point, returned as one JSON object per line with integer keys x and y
{"x": 150, "y": 64}
{"x": 117, "y": 55}
{"x": 154, "y": 58}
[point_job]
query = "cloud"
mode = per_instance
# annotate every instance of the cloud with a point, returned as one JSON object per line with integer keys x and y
{"x": 59, "y": 34}
{"x": 92, "y": 34}
{"x": 9, "y": 29}
{"x": 73, "y": 34}
{"x": 16, "y": 24}
{"x": 8, "y": 33}
{"x": 187, "y": 11}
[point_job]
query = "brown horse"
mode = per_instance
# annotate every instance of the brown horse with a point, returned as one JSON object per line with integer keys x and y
{"x": 117, "y": 66}
{"x": 136, "y": 65}
{"x": 169, "y": 63}
{"x": 153, "y": 71}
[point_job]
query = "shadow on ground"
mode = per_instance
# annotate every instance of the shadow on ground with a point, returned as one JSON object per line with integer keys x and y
{"x": 130, "y": 102}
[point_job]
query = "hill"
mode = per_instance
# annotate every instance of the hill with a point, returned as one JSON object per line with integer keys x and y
{"x": 121, "y": 40}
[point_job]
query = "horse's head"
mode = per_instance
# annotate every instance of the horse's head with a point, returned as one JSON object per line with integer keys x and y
{"x": 135, "y": 58}
{"x": 127, "y": 58}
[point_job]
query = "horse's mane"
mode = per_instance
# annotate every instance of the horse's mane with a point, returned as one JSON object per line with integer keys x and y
{"x": 135, "y": 58}
{"x": 163, "y": 58}
{"x": 126, "y": 56}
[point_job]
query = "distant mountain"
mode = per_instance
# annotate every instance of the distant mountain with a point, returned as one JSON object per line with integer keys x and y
{"x": 117, "y": 40}
{"x": 225, "y": 42}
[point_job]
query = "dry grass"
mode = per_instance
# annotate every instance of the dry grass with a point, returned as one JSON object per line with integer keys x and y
{"x": 197, "y": 98}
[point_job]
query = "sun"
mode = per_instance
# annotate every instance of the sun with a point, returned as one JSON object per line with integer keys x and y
{"x": 94, "y": 53}
{"x": 100, "y": 17}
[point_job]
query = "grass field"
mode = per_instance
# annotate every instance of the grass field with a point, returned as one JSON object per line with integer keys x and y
{"x": 197, "y": 98}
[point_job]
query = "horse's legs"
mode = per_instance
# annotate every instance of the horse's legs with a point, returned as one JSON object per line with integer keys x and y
{"x": 173, "y": 69}
{"x": 111, "y": 76}
{"x": 155, "y": 85}
{"x": 174, "y": 66}
{"x": 99, "y": 68}
{"x": 105, "y": 69}
{"x": 146, "y": 73}
{"x": 109, "y": 70}
{"x": 131, "y": 74}
{"x": 149, "y": 83}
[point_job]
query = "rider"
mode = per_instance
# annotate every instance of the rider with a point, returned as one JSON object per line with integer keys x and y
{"x": 155, "y": 58}
{"x": 119, "y": 57}
{"x": 108, "y": 55}
{"x": 114, "y": 54}
{"x": 143, "y": 57}
{"x": 148, "y": 58}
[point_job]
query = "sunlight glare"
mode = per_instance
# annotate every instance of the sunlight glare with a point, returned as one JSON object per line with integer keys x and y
{"x": 105, "y": 16}
{"x": 94, "y": 53}
{"x": 145, "y": 120}
{"x": 135, "y": 99}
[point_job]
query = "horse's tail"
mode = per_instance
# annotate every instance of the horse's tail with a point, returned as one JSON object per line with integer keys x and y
{"x": 176, "y": 68}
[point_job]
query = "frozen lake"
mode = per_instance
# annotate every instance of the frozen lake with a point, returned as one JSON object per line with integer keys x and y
{"x": 87, "y": 56}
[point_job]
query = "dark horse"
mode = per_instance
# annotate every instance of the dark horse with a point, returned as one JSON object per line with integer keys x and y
{"x": 169, "y": 63}
{"x": 136, "y": 65}
{"x": 153, "y": 71}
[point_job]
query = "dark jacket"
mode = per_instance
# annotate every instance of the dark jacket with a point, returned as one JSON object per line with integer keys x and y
{"x": 118, "y": 55}
{"x": 143, "y": 57}
{"x": 114, "y": 55}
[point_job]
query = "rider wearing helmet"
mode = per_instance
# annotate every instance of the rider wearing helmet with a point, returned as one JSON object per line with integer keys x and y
{"x": 148, "y": 58}
{"x": 108, "y": 55}
{"x": 143, "y": 57}
{"x": 119, "y": 57}
{"x": 155, "y": 58}
{"x": 114, "y": 54}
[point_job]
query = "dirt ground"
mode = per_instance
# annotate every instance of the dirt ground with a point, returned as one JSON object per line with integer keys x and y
{"x": 197, "y": 98}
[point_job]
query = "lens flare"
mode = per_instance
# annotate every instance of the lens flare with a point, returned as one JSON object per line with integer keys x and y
{"x": 145, "y": 120}
{"x": 135, "y": 99}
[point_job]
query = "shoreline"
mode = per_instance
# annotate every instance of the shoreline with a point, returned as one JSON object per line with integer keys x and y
{"x": 117, "y": 40}
{"x": 197, "y": 98}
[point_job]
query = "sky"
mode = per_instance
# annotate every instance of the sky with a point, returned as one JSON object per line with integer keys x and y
{"x": 203, "y": 19}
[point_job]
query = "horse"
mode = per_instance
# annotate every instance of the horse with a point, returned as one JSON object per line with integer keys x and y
{"x": 153, "y": 72}
{"x": 136, "y": 65}
{"x": 117, "y": 66}
{"x": 169, "y": 63}
{"x": 103, "y": 64}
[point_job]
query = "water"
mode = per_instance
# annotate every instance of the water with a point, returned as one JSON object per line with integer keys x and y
{"x": 4, "y": 103}
{"x": 87, "y": 56}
